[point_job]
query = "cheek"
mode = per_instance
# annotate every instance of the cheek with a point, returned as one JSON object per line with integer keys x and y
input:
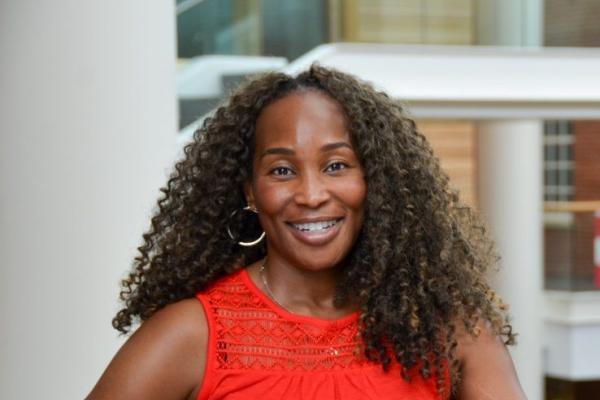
{"x": 270, "y": 199}
{"x": 354, "y": 194}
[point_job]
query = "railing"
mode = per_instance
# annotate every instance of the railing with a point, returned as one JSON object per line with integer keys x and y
{"x": 572, "y": 206}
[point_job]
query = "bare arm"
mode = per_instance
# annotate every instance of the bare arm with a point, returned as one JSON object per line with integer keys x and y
{"x": 164, "y": 359}
{"x": 487, "y": 370}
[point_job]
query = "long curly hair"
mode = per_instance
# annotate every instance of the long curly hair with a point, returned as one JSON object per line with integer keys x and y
{"x": 417, "y": 268}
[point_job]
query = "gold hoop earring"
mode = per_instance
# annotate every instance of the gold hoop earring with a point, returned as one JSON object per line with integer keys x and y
{"x": 245, "y": 244}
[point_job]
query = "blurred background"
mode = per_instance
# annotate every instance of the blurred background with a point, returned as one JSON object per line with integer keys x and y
{"x": 97, "y": 99}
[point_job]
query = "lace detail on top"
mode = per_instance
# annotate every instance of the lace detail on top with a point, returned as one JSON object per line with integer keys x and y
{"x": 251, "y": 332}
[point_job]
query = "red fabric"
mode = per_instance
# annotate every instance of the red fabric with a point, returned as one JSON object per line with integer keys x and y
{"x": 258, "y": 350}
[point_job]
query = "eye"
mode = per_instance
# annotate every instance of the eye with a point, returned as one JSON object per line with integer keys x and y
{"x": 281, "y": 171}
{"x": 336, "y": 166}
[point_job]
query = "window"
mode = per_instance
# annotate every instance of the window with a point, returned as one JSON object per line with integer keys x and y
{"x": 558, "y": 161}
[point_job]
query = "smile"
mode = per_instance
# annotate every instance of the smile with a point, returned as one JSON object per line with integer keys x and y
{"x": 317, "y": 227}
{"x": 316, "y": 233}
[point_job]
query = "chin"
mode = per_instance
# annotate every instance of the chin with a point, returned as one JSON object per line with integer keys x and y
{"x": 319, "y": 262}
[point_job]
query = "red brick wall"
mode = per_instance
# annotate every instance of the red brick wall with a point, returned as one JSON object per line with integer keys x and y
{"x": 583, "y": 247}
{"x": 587, "y": 158}
{"x": 586, "y": 181}
{"x": 569, "y": 252}
{"x": 557, "y": 252}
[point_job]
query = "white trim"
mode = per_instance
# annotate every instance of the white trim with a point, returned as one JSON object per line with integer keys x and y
{"x": 473, "y": 82}
{"x": 572, "y": 308}
{"x": 201, "y": 76}
{"x": 555, "y": 139}
{"x": 559, "y": 165}
{"x": 186, "y": 5}
{"x": 559, "y": 220}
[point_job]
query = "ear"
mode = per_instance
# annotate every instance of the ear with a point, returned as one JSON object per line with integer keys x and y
{"x": 249, "y": 193}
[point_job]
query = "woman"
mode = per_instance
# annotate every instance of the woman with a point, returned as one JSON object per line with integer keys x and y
{"x": 328, "y": 254}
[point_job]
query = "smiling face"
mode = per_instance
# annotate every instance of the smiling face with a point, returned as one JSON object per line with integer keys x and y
{"x": 308, "y": 185}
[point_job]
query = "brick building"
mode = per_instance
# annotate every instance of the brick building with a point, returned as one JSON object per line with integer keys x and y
{"x": 569, "y": 252}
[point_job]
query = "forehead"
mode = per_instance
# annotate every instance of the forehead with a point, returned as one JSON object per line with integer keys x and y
{"x": 301, "y": 117}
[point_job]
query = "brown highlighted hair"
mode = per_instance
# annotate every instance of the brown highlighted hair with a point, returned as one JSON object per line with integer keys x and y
{"x": 417, "y": 268}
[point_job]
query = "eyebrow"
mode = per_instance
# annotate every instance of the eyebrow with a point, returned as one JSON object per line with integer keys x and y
{"x": 334, "y": 146}
{"x": 289, "y": 152}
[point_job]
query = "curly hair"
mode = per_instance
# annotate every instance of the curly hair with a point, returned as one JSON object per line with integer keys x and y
{"x": 418, "y": 265}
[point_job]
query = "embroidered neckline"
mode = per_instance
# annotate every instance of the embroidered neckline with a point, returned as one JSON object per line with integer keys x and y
{"x": 250, "y": 332}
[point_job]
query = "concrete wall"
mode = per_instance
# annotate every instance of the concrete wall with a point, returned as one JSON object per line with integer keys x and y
{"x": 87, "y": 125}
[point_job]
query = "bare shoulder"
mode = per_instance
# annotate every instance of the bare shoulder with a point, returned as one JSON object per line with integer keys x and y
{"x": 483, "y": 337}
{"x": 163, "y": 359}
{"x": 182, "y": 321}
{"x": 487, "y": 370}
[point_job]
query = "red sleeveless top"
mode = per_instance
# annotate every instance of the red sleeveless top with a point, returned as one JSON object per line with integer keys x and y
{"x": 258, "y": 350}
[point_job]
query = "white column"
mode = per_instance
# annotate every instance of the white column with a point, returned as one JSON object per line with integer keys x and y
{"x": 510, "y": 22}
{"x": 510, "y": 190}
{"x": 87, "y": 131}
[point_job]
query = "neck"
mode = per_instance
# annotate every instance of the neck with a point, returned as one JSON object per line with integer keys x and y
{"x": 301, "y": 290}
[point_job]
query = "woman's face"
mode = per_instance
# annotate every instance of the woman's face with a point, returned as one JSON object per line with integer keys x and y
{"x": 308, "y": 185}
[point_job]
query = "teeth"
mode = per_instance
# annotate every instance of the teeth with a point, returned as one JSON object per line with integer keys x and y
{"x": 315, "y": 226}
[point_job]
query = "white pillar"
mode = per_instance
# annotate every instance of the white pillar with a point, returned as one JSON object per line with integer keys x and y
{"x": 510, "y": 179}
{"x": 510, "y": 192}
{"x": 87, "y": 131}
{"x": 510, "y": 22}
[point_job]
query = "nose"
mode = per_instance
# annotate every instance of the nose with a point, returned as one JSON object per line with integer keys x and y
{"x": 312, "y": 190}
